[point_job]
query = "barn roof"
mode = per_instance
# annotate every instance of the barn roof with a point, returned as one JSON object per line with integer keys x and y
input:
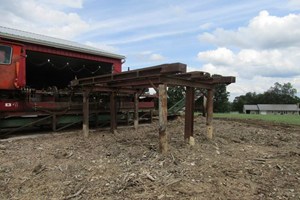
{"x": 33, "y": 38}
{"x": 278, "y": 107}
{"x": 250, "y": 107}
{"x": 272, "y": 107}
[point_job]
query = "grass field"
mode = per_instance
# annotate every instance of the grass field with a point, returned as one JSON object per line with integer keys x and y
{"x": 285, "y": 119}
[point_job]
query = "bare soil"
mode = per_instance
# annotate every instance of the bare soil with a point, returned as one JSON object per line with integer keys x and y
{"x": 245, "y": 160}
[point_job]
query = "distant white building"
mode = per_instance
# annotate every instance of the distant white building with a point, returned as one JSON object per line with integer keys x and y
{"x": 277, "y": 109}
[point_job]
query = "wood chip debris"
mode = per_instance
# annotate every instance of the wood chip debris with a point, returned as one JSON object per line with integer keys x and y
{"x": 75, "y": 195}
{"x": 150, "y": 177}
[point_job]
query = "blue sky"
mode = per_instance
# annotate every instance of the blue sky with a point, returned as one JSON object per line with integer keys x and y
{"x": 257, "y": 41}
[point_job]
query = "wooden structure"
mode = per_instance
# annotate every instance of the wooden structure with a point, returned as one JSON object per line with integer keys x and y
{"x": 157, "y": 77}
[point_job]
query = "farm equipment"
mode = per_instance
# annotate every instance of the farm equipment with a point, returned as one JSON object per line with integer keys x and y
{"x": 35, "y": 76}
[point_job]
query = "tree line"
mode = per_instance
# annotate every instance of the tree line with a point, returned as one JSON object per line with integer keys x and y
{"x": 277, "y": 94}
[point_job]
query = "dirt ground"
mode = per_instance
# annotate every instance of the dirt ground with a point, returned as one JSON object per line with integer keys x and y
{"x": 245, "y": 160}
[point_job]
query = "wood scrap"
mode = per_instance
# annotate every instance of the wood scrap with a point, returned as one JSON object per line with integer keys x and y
{"x": 75, "y": 195}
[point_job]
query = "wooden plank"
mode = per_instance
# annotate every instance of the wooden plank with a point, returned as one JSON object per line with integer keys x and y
{"x": 184, "y": 82}
{"x": 172, "y": 68}
{"x": 163, "y": 113}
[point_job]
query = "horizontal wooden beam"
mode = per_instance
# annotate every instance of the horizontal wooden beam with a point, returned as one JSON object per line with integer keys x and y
{"x": 183, "y": 82}
{"x": 170, "y": 74}
{"x": 158, "y": 70}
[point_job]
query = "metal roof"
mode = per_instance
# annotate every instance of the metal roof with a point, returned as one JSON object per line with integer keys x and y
{"x": 273, "y": 107}
{"x": 250, "y": 107}
{"x": 278, "y": 107}
{"x": 39, "y": 39}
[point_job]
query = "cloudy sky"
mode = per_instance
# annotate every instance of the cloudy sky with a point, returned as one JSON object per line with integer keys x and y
{"x": 257, "y": 41}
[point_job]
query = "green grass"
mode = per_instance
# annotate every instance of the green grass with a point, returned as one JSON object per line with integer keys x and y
{"x": 285, "y": 119}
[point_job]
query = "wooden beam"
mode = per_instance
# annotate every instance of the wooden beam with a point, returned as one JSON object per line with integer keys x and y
{"x": 136, "y": 111}
{"x": 184, "y": 82}
{"x": 163, "y": 112}
{"x": 189, "y": 116}
{"x": 209, "y": 113}
{"x": 172, "y": 68}
{"x": 113, "y": 112}
{"x": 85, "y": 110}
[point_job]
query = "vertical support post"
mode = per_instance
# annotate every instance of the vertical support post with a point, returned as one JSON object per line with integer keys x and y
{"x": 189, "y": 115}
{"x": 96, "y": 102}
{"x": 113, "y": 112}
{"x": 151, "y": 116}
{"x": 209, "y": 113}
{"x": 136, "y": 111}
{"x": 54, "y": 122}
{"x": 163, "y": 118}
{"x": 85, "y": 124}
{"x": 204, "y": 106}
{"x": 127, "y": 118}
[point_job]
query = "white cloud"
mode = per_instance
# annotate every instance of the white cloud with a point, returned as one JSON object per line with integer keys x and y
{"x": 68, "y": 3}
{"x": 263, "y": 52}
{"x": 156, "y": 57}
{"x": 44, "y": 18}
{"x": 101, "y": 46}
{"x": 150, "y": 56}
{"x": 263, "y": 31}
{"x": 247, "y": 63}
{"x": 221, "y": 56}
{"x": 206, "y": 26}
{"x": 294, "y": 4}
{"x": 259, "y": 84}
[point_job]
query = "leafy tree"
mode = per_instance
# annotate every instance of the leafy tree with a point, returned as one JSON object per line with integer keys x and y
{"x": 285, "y": 89}
{"x": 240, "y": 101}
{"x": 175, "y": 94}
{"x": 221, "y": 101}
{"x": 277, "y": 94}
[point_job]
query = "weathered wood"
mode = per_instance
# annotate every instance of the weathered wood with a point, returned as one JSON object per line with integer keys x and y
{"x": 163, "y": 112}
{"x": 151, "y": 116}
{"x": 189, "y": 115}
{"x": 204, "y": 106}
{"x": 136, "y": 111}
{"x": 96, "y": 113}
{"x": 164, "y": 69}
{"x": 209, "y": 113}
{"x": 113, "y": 112}
{"x": 85, "y": 124}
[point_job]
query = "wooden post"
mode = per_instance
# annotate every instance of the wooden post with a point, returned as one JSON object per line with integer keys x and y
{"x": 96, "y": 102}
{"x": 209, "y": 113}
{"x": 163, "y": 118}
{"x": 204, "y": 106}
{"x": 189, "y": 116}
{"x": 113, "y": 112}
{"x": 127, "y": 118}
{"x": 54, "y": 122}
{"x": 151, "y": 116}
{"x": 85, "y": 124}
{"x": 136, "y": 111}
